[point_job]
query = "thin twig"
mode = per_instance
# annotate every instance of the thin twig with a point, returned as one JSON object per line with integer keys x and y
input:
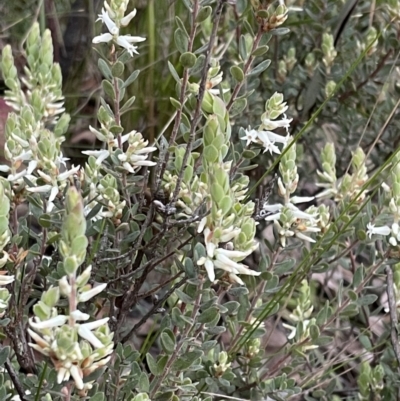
{"x": 14, "y": 376}
{"x": 153, "y": 309}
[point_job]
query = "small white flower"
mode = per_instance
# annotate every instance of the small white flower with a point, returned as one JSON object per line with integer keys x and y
{"x": 100, "y": 155}
{"x": 371, "y": 229}
{"x": 48, "y": 324}
{"x": 85, "y": 296}
{"x": 5, "y": 280}
{"x": 124, "y": 41}
{"x": 251, "y": 135}
{"x": 274, "y": 124}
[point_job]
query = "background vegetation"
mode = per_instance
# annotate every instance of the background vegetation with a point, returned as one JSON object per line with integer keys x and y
{"x": 320, "y": 321}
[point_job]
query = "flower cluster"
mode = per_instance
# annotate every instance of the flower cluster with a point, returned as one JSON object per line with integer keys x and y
{"x": 274, "y": 108}
{"x": 301, "y": 318}
{"x": 57, "y": 335}
{"x": 288, "y": 219}
{"x": 350, "y": 185}
{"x": 113, "y": 16}
{"x": 34, "y": 135}
{"x": 393, "y": 196}
{"x": 229, "y": 229}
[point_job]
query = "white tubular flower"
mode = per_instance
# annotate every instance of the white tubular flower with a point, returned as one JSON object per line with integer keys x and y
{"x": 85, "y": 296}
{"x": 48, "y": 324}
{"x": 393, "y": 231}
{"x": 371, "y": 229}
{"x": 270, "y": 125}
{"x": 265, "y": 138}
{"x": 5, "y": 280}
{"x": 100, "y": 155}
{"x": 224, "y": 259}
{"x": 124, "y": 41}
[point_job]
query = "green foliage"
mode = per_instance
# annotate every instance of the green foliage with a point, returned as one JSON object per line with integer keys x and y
{"x": 153, "y": 272}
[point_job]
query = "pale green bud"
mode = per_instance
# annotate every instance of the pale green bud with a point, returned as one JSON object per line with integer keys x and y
{"x": 141, "y": 397}
{"x": 51, "y": 296}
{"x": 328, "y": 50}
{"x": 330, "y": 88}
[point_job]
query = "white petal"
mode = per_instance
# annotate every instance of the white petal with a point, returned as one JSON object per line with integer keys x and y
{"x": 235, "y": 278}
{"x": 131, "y": 39}
{"x": 77, "y": 375}
{"x": 144, "y": 163}
{"x": 85, "y": 333}
{"x": 66, "y": 174}
{"x": 149, "y": 149}
{"x": 209, "y": 265}
{"x": 124, "y": 43}
{"x": 50, "y": 323}
{"x": 304, "y": 237}
{"x": 95, "y": 324}
{"x": 301, "y": 199}
{"x": 62, "y": 375}
{"x": 232, "y": 254}
{"x": 5, "y": 280}
{"x": 78, "y": 315}
{"x": 41, "y": 189}
{"x": 85, "y": 296}
{"x": 103, "y": 38}
{"x": 127, "y": 19}
{"x": 100, "y": 155}
{"x": 113, "y": 29}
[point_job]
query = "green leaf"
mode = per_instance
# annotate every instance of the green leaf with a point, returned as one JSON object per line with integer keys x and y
{"x": 98, "y": 397}
{"x": 151, "y": 362}
{"x": 174, "y": 73}
{"x": 131, "y": 78}
{"x": 285, "y": 266}
{"x": 108, "y": 89}
{"x": 203, "y": 14}
{"x": 45, "y": 220}
{"x": 260, "y": 68}
{"x": 260, "y": 51}
{"x": 127, "y": 105}
{"x": 198, "y": 66}
{"x": 350, "y": 310}
{"x": 186, "y": 360}
{"x": 161, "y": 363}
{"x": 232, "y": 307}
{"x": 104, "y": 69}
{"x": 144, "y": 384}
{"x": 323, "y": 340}
{"x": 117, "y": 69}
{"x": 4, "y": 353}
{"x": 367, "y": 299}
{"x": 181, "y": 40}
{"x": 238, "y": 291}
{"x": 243, "y": 47}
{"x": 184, "y": 297}
{"x": 280, "y": 31}
{"x": 168, "y": 341}
{"x": 211, "y": 154}
{"x": 238, "y": 106}
{"x": 237, "y": 73}
{"x": 208, "y": 315}
{"x": 187, "y": 59}
{"x": 352, "y": 295}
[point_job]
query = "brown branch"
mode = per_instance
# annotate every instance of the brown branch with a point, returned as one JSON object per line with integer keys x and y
{"x": 153, "y": 309}
{"x": 15, "y": 379}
